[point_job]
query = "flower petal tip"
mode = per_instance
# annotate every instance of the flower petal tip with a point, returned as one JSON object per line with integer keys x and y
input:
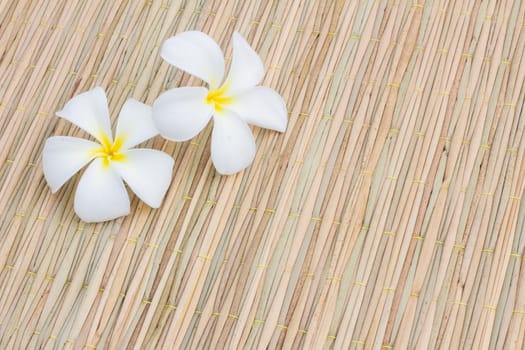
{"x": 247, "y": 68}
{"x": 282, "y": 128}
{"x": 89, "y": 111}
{"x": 283, "y": 122}
{"x": 195, "y": 53}
{"x": 53, "y": 188}
{"x": 237, "y": 36}
{"x": 228, "y": 172}
{"x": 88, "y": 219}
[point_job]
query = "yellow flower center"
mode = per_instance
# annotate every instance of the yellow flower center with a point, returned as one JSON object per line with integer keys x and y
{"x": 218, "y": 98}
{"x": 110, "y": 151}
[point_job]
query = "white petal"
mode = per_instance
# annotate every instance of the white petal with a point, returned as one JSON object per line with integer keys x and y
{"x": 180, "y": 114}
{"x": 247, "y": 69}
{"x": 89, "y": 111}
{"x": 261, "y": 106}
{"x": 63, "y": 156}
{"x": 197, "y": 54}
{"x": 135, "y": 124}
{"x": 232, "y": 144}
{"x": 148, "y": 174}
{"x": 101, "y": 194}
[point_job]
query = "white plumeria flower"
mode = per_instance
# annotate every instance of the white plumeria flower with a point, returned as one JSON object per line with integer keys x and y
{"x": 101, "y": 195}
{"x": 181, "y": 113}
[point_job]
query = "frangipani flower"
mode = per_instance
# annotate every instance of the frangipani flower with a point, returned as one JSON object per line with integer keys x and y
{"x": 101, "y": 195}
{"x": 181, "y": 113}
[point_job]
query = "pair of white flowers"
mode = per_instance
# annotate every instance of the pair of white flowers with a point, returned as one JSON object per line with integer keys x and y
{"x": 178, "y": 114}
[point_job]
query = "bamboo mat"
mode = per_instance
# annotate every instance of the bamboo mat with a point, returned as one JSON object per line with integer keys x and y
{"x": 388, "y": 216}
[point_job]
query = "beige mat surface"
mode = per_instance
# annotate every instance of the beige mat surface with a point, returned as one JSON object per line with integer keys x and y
{"x": 390, "y": 215}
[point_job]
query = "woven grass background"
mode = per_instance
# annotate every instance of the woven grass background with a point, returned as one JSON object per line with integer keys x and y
{"x": 389, "y": 215}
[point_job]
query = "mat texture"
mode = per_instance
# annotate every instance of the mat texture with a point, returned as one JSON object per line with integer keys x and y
{"x": 390, "y": 215}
